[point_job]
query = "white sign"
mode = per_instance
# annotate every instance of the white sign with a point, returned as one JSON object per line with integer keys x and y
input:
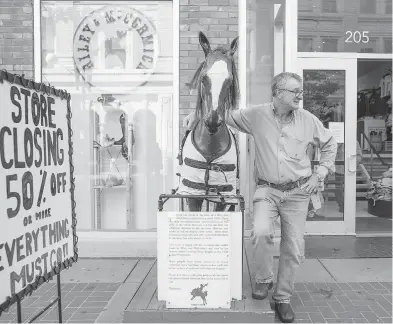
{"x": 338, "y": 131}
{"x": 199, "y": 259}
{"x": 377, "y": 131}
{"x": 35, "y": 197}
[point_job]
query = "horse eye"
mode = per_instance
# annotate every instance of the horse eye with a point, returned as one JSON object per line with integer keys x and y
{"x": 205, "y": 80}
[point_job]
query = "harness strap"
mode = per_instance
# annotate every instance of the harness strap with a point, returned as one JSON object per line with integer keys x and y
{"x": 180, "y": 155}
{"x": 221, "y": 197}
{"x": 237, "y": 153}
{"x": 202, "y": 186}
{"x": 211, "y": 166}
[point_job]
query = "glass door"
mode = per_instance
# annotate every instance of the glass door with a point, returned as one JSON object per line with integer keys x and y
{"x": 330, "y": 94}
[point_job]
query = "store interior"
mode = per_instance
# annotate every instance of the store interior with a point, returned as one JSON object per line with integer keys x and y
{"x": 374, "y": 127}
{"x": 374, "y": 144}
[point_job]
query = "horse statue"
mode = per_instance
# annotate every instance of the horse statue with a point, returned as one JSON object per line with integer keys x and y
{"x": 209, "y": 155}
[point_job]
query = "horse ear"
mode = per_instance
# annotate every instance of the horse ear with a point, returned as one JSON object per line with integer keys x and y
{"x": 234, "y": 45}
{"x": 204, "y": 43}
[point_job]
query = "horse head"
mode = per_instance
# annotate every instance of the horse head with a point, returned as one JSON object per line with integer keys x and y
{"x": 217, "y": 83}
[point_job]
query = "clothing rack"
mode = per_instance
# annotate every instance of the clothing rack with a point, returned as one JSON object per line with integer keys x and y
{"x": 367, "y": 91}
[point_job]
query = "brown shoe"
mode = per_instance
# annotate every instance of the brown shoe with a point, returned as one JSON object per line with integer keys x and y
{"x": 261, "y": 290}
{"x": 285, "y": 312}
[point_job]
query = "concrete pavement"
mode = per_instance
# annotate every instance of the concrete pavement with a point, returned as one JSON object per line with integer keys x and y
{"x": 326, "y": 290}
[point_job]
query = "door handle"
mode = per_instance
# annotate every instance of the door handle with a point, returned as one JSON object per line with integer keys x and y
{"x": 352, "y": 163}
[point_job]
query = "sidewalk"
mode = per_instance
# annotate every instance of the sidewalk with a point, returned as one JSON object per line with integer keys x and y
{"x": 326, "y": 291}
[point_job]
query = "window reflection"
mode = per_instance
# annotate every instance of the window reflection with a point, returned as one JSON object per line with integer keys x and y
{"x": 122, "y": 116}
{"x": 370, "y": 47}
{"x": 329, "y": 44}
{"x": 359, "y": 26}
{"x": 388, "y": 45}
{"x": 305, "y": 44}
{"x": 306, "y": 5}
{"x": 324, "y": 96}
{"x": 115, "y": 53}
{"x": 329, "y": 6}
{"x": 388, "y": 7}
{"x": 368, "y": 6}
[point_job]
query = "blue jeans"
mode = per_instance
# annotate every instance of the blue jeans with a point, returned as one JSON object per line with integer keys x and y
{"x": 292, "y": 207}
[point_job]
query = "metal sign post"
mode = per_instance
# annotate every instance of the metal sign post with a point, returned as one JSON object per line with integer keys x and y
{"x": 42, "y": 311}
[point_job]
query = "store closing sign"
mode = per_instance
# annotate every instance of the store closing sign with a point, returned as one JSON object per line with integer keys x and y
{"x": 37, "y": 232}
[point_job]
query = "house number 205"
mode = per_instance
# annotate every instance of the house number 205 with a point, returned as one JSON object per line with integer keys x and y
{"x": 357, "y": 37}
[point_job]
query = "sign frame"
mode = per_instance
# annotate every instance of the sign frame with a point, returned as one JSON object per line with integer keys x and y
{"x": 65, "y": 264}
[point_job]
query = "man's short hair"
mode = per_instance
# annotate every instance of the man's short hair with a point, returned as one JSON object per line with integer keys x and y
{"x": 281, "y": 79}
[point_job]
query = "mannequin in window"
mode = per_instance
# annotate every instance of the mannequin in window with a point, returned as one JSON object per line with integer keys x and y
{"x": 361, "y": 105}
{"x": 377, "y": 106}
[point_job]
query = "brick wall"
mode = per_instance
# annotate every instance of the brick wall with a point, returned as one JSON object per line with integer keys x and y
{"x": 218, "y": 19}
{"x": 16, "y": 36}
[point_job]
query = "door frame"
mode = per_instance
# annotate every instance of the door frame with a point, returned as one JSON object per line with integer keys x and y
{"x": 349, "y": 65}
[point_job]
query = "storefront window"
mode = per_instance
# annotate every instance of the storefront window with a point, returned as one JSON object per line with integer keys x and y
{"x": 305, "y": 44}
{"x": 388, "y": 7}
{"x": 357, "y": 26}
{"x": 329, "y": 44}
{"x": 329, "y": 6}
{"x": 260, "y": 46}
{"x": 115, "y": 59}
{"x": 368, "y": 6}
{"x": 306, "y": 6}
{"x": 388, "y": 45}
{"x": 370, "y": 47}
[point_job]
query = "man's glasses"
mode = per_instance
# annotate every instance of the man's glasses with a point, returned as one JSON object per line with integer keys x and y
{"x": 296, "y": 93}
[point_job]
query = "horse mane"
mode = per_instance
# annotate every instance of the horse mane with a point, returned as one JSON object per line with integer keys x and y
{"x": 231, "y": 101}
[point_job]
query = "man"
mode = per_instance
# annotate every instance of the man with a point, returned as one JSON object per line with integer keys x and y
{"x": 281, "y": 134}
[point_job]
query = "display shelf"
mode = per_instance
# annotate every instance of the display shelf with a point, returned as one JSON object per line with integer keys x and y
{"x": 112, "y": 171}
{"x": 97, "y": 146}
{"x": 113, "y": 187}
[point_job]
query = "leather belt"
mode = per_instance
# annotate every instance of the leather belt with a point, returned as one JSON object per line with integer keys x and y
{"x": 283, "y": 186}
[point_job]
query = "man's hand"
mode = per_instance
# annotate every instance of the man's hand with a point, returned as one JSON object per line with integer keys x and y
{"x": 190, "y": 120}
{"x": 311, "y": 185}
